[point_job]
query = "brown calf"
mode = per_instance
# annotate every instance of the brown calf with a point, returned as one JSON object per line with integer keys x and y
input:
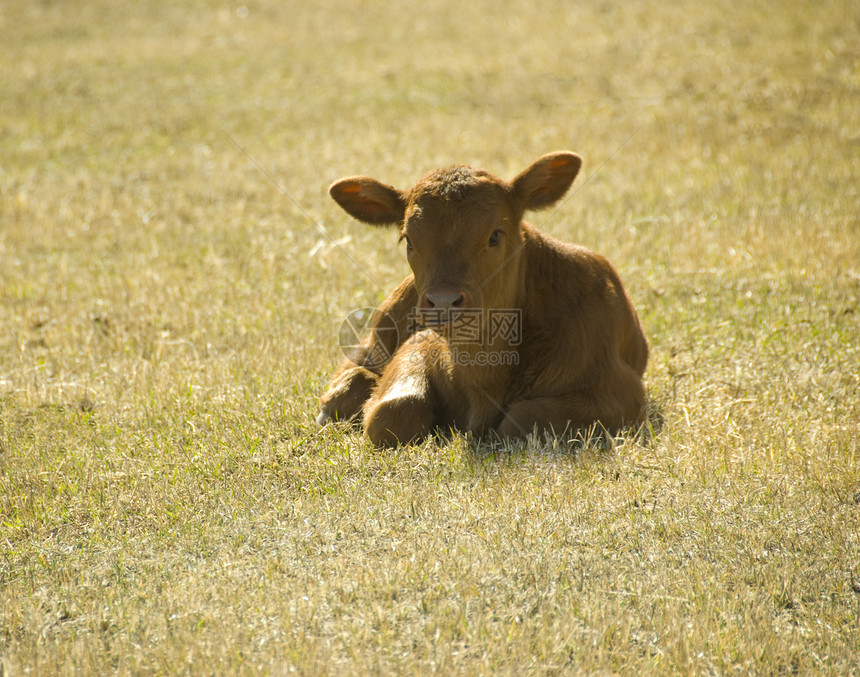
{"x": 500, "y": 327}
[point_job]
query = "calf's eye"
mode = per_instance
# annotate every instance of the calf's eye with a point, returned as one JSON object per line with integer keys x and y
{"x": 495, "y": 237}
{"x": 408, "y": 243}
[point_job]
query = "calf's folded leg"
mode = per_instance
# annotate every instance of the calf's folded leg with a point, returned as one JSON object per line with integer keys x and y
{"x": 620, "y": 402}
{"x": 401, "y": 411}
{"x": 405, "y": 406}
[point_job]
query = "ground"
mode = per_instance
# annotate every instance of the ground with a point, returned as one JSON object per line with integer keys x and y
{"x": 173, "y": 276}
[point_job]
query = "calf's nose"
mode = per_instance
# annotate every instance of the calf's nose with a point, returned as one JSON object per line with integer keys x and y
{"x": 444, "y": 299}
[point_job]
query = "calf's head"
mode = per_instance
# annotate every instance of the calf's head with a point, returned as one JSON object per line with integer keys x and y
{"x": 462, "y": 228}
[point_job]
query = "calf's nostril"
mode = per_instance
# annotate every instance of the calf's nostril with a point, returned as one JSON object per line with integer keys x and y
{"x": 440, "y": 300}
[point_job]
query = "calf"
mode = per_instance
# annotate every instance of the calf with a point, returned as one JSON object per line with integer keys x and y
{"x": 500, "y": 327}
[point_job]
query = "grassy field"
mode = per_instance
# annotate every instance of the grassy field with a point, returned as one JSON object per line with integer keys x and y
{"x": 170, "y": 296}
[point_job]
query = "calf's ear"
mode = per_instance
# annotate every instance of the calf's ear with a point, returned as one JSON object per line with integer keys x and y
{"x": 543, "y": 184}
{"x": 369, "y": 200}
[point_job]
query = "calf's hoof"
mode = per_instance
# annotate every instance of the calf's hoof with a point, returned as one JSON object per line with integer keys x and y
{"x": 346, "y": 395}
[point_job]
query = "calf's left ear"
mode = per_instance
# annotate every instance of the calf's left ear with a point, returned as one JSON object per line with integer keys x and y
{"x": 544, "y": 183}
{"x": 369, "y": 200}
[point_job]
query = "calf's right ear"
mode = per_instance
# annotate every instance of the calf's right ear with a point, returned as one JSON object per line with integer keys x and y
{"x": 369, "y": 200}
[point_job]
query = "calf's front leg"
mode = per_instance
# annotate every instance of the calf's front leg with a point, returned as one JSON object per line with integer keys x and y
{"x": 406, "y": 406}
{"x": 346, "y": 394}
{"x": 352, "y": 385}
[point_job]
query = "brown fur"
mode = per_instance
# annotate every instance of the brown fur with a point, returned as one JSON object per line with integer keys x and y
{"x": 580, "y": 353}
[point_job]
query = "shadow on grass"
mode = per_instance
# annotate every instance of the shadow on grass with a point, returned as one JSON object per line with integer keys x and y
{"x": 593, "y": 444}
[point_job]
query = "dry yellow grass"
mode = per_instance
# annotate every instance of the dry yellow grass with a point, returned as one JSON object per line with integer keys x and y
{"x": 167, "y": 504}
